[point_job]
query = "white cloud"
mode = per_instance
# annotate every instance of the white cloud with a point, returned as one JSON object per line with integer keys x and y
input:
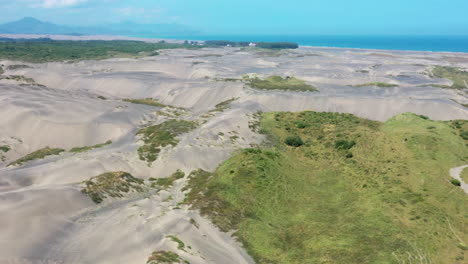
{"x": 61, "y": 3}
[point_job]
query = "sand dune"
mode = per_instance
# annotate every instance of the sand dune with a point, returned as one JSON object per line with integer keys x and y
{"x": 45, "y": 219}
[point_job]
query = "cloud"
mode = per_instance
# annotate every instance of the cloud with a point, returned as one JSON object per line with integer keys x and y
{"x": 61, "y": 3}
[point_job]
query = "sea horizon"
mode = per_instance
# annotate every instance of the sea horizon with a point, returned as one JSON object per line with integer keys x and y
{"x": 436, "y": 43}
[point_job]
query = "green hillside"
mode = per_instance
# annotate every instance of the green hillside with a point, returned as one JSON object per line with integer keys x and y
{"x": 342, "y": 190}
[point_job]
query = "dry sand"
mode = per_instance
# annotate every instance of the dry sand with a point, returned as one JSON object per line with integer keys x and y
{"x": 45, "y": 219}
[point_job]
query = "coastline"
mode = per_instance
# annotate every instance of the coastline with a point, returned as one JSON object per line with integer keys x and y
{"x": 175, "y": 40}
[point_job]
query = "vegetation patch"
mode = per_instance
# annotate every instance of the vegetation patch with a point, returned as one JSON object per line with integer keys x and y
{"x": 165, "y": 257}
{"x": 294, "y": 141}
{"x": 158, "y": 136}
{"x": 455, "y": 182}
{"x": 387, "y": 202}
{"x": 18, "y": 78}
{"x": 38, "y": 154}
{"x": 18, "y": 67}
{"x": 464, "y": 175}
{"x": 180, "y": 243}
{"x": 47, "y": 50}
{"x": 280, "y": 83}
{"x": 111, "y": 184}
{"x": 5, "y": 148}
{"x": 223, "y": 106}
{"x": 146, "y": 101}
{"x": 88, "y": 148}
{"x": 376, "y": 84}
{"x": 458, "y": 76}
{"x": 167, "y": 182}
{"x": 461, "y": 128}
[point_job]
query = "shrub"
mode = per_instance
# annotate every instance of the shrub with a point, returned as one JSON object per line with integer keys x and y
{"x": 464, "y": 135}
{"x": 344, "y": 144}
{"x": 455, "y": 182}
{"x": 294, "y": 141}
{"x": 300, "y": 124}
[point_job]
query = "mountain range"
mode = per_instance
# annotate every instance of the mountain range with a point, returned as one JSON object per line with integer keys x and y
{"x": 29, "y": 25}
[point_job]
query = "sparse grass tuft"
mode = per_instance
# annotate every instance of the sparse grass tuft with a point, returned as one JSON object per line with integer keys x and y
{"x": 165, "y": 257}
{"x": 111, "y": 184}
{"x": 146, "y": 101}
{"x": 18, "y": 78}
{"x": 158, "y": 136}
{"x": 38, "y": 154}
{"x": 18, "y": 66}
{"x": 88, "y": 148}
{"x": 223, "y": 106}
{"x": 458, "y": 76}
{"x": 376, "y": 84}
{"x": 280, "y": 83}
{"x": 167, "y": 182}
{"x": 180, "y": 243}
{"x": 5, "y": 148}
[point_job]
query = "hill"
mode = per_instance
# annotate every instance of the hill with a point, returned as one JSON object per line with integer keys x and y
{"x": 335, "y": 188}
{"x": 29, "y": 25}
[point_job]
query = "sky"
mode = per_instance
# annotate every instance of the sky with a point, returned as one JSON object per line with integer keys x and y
{"x": 269, "y": 17}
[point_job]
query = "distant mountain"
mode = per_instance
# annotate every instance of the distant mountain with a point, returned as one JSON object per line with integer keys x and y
{"x": 29, "y": 25}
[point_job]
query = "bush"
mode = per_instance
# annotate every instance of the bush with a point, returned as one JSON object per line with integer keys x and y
{"x": 455, "y": 182}
{"x": 300, "y": 124}
{"x": 464, "y": 135}
{"x": 294, "y": 141}
{"x": 344, "y": 144}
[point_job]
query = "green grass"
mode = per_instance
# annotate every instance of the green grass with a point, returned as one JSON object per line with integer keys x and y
{"x": 280, "y": 83}
{"x": 458, "y": 76}
{"x": 111, "y": 184}
{"x": 387, "y": 202}
{"x": 38, "y": 154}
{"x": 146, "y": 101}
{"x": 165, "y": 257}
{"x": 464, "y": 175}
{"x": 376, "y": 84}
{"x": 167, "y": 182}
{"x": 48, "y": 51}
{"x": 5, "y": 148}
{"x": 158, "y": 136}
{"x": 88, "y": 148}
{"x": 223, "y": 106}
{"x": 180, "y": 243}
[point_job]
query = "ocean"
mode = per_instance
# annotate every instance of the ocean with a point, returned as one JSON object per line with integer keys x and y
{"x": 414, "y": 43}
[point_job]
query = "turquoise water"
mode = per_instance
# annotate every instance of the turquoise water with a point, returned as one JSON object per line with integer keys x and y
{"x": 417, "y": 43}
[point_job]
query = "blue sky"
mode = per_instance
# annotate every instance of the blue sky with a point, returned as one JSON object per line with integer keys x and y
{"x": 365, "y": 17}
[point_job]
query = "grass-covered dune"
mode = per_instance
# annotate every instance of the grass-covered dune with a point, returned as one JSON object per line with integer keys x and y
{"x": 459, "y": 77}
{"x": 335, "y": 188}
{"x": 67, "y": 50}
{"x": 279, "y": 83}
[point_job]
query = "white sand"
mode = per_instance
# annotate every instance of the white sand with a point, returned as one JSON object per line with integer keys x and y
{"x": 45, "y": 219}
